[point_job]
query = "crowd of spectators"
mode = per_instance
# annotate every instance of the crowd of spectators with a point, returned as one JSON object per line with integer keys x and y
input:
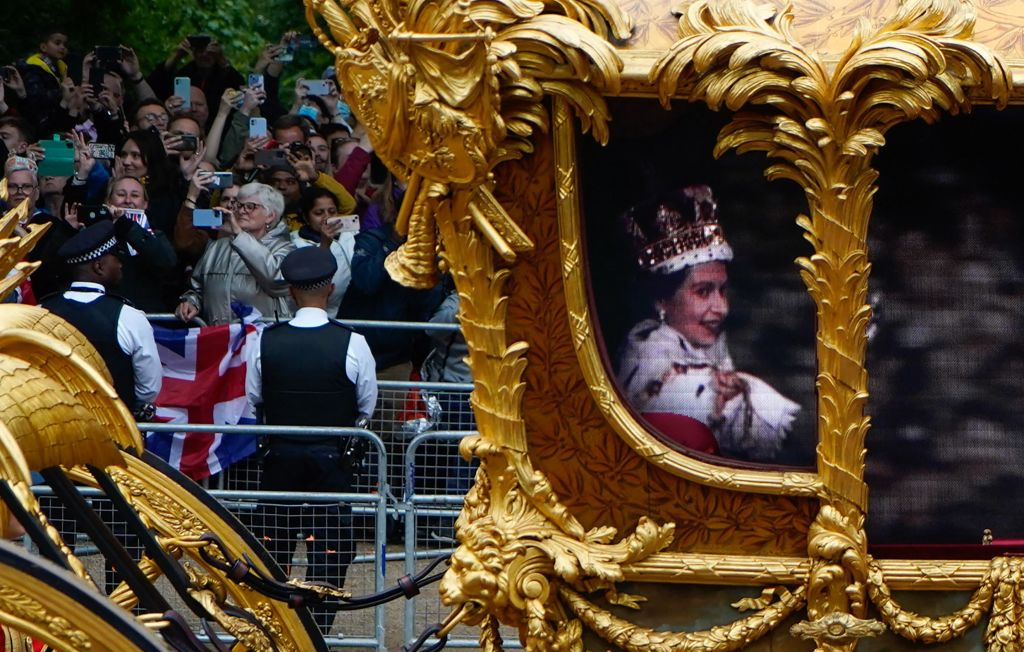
{"x": 210, "y": 180}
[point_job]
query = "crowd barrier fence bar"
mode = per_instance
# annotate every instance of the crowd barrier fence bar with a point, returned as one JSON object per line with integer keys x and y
{"x": 355, "y": 324}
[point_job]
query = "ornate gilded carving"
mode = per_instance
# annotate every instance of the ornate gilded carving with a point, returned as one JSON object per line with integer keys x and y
{"x": 24, "y": 607}
{"x": 179, "y": 518}
{"x": 823, "y": 123}
{"x": 722, "y": 638}
{"x": 449, "y": 90}
{"x": 518, "y": 542}
{"x": 213, "y": 595}
{"x": 837, "y": 629}
{"x": 14, "y": 247}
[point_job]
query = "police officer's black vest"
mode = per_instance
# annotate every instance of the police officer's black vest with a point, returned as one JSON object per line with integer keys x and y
{"x": 304, "y": 379}
{"x": 97, "y": 320}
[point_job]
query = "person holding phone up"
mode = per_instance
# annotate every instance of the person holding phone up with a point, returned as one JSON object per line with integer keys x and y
{"x": 209, "y": 69}
{"x": 242, "y": 265}
{"x": 323, "y": 227}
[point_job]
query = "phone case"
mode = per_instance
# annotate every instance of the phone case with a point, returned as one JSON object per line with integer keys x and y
{"x": 257, "y": 127}
{"x": 183, "y": 89}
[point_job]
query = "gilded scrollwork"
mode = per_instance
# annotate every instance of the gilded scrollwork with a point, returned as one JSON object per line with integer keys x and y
{"x": 822, "y": 124}
{"x": 451, "y": 94}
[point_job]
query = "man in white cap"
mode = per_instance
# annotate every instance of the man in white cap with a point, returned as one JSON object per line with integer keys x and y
{"x": 312, "y": 371}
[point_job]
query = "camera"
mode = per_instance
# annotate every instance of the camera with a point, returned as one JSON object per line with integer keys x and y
{"x": 89, "y": 215}
{"x": 199, "y": 42}
{"x": 109, "y": 53}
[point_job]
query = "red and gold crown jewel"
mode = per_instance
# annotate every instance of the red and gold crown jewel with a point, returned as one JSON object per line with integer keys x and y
{"x": 680, "y": 230}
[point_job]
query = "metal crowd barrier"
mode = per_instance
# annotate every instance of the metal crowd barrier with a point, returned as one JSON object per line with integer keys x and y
{"x": 258, "y": 509}
{"x": 436, "y": 482}
{"x": 355, "y": 324}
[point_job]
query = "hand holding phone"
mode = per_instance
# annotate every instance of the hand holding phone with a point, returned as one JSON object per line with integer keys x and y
{"x": 344, "y": 223}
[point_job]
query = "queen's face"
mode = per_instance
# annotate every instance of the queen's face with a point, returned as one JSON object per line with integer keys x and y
{"x": 698, "y": 308}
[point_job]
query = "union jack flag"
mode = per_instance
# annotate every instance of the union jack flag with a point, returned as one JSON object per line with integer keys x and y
{"x": 204, "y": 383}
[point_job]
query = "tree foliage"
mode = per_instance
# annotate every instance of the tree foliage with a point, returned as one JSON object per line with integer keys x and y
{"x": 154, "y": 27}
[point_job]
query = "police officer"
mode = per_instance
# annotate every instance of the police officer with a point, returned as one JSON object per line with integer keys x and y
{"x": 121, "y": 334}
{"x": 311, "y": 371}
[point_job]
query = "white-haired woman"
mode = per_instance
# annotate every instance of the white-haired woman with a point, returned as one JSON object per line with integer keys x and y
{"x": 243, "y": 265}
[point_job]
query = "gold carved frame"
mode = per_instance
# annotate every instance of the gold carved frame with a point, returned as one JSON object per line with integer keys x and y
{"x": 456, "y": 96}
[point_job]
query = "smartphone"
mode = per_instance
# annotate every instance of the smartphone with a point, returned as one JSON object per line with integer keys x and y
{"x": 207, "y": 218}
{"x": 222, "y": 180}
{"x": 7, "y": 73}
{"x": 183, "y": 89}
{"x": 257, "y": 127}
{"x": 59, "y": 158}
{"x": 318, "y": 86}
{"x": 270, "y": 157}
{"x": 289, "y": 52}
{"x": 96, "y": 77}
{"x": 89, "y": 215}
{"x": 189, "y": 143}
{"x": 255, "y": 80}
{"x": 101, "y": 150}
{"x": 108, "y": 52}
{"x": 199, "y": 42}
{"x": 349, "y": 223}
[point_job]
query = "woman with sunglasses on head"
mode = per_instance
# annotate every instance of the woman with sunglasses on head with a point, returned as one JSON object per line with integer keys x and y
{"x": 243, "y": 264}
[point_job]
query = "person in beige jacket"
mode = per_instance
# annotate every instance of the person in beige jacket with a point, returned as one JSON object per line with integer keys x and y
{"x": 244, "y": 264}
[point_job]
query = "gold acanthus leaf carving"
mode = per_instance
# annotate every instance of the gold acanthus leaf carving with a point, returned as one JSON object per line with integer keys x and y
{"x": 518, "y": 541}
{"x": 448, "y": 90}
{"x": 823, "y": 124}
{"x": 27, "y": 608}
{"x": 723, "y": 638}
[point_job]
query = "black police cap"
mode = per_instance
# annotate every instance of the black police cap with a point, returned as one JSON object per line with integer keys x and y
{"x": 89, "y": 244}
{"x": 309, "y": 268}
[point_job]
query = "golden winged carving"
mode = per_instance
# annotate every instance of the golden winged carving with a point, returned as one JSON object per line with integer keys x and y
{"x": 822, "y": 124}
